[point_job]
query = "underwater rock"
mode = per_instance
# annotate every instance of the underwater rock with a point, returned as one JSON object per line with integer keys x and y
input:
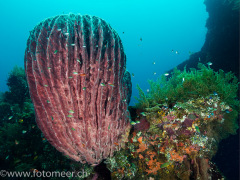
{"x": 79, "y": 85}
{"x": 187, "y": 123}
{"x": 142, "y": 126}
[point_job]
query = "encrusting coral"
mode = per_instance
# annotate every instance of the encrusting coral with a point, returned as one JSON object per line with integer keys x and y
{"x": 189, "y": 114}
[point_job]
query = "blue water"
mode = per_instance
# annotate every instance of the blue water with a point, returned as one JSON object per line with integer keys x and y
{"x": 163, "y": 26}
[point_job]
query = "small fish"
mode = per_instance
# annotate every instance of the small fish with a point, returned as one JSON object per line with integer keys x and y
{"x": 197, "y": 129}
{"x": 84, "y": 88}
{"x": 210, "y": 97}
{"x": 51, "y": 117}
{"x": 140, "y": 139}
{"x": 73, "y": 129}
{"x": 143, "y": 113}
{"x": 66, "y": 34}
{"x": 116, "y": 144}
{"x": 199, "y": 59}
{"x": 69, "y": 115}
{"x": 124, "y": 100}
{"x": 147, "y": 90}
{"x": 215, "y": 93}
{"x": 110, "y": 69}
{"x": 82, "y": 75}
{"x": 132, "y": 123}
{"x": 154, "y": 62}
{"x": 132, "y": 74}
{"x": 27, "y": 155}
{"x": 45, "y": 85}
{"x": 172, "y": 51}
{"x": 209, "y": 63}
{"x": 177, "y": 52}
{"x": 35, "y": 158}
{"x": 110, "y": 84}
{"x": 137, "y": 122}
{"x": 49, "y": 68}
{"x": 83, "y": 145}
{"x": 7, "y": 157}
{"x": 48, "y": 101}
{"x": 33, "y": 126}
{"x": 140, "y": 39}
{"x": 96, "y": 45}
{"x": 55, "y": 52}
{"x": 72, "y": 44}
{"x": 109, "y": 127}
{"x": 123, "y": 32}
{"x": 24, "y": 131}
{"x": 10, "y": 117}
{"x": 16, "y": 142}
{"x": 58, "y": 29}
{"x": 71, "y": 111}
{"x": 78, "y": 61}
{"x": 227, "y": 111}
{"x": 102, "y": 84}
{"x": 165, "y": 165}
{"x": 84, "y": 46}
{"x": 75, "y": 73}
{"x": 166, "y": 74}
{"x": 20, "y": 120}
{"x": 139, "y": 133}
{"x": 17, "y": 161}
{"x": 70, "y": 77}
{"x": 183, "y": 79}
{"x": 154, "y": 73}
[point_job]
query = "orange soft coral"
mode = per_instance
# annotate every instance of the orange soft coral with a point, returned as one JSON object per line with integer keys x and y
{"x": 175, "y": 156}
{"x": 142, "y": 147}
{"x": 153, "y": 166}
{"x": 189, "y": 150}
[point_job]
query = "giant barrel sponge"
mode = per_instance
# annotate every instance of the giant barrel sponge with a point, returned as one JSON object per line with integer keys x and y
{"x": 79, "y": 85}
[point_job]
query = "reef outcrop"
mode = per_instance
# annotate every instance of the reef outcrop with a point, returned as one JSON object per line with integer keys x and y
{"x": 221, "y": 48}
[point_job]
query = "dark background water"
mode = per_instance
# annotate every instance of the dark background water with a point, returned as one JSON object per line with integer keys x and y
{"x": 163, "y": 26}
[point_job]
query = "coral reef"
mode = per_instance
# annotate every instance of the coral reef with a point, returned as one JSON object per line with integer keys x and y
{"x": 221, "y": 48}
{"x": 76, "y": 71}
{"x": 189, "y": 114}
